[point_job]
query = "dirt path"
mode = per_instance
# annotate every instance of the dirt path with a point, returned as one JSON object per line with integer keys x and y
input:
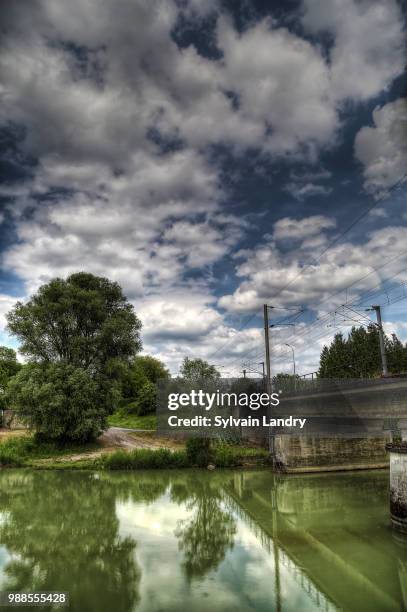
{"x": 116, "y": 438}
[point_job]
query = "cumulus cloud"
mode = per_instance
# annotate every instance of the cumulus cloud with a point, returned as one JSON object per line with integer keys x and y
{"x": 203, "y": 243}
{"x": 299, "y": 229}
{"x": 115, "y": 224}
{"x": 382, "y": 148}
{"x": 6, "y": 303}
{"x": 85, "y": 87}
{"x": 187, "y": 323}
{"x": 368, "y": 43}
{"x": 286, "y": 89}
{"x": 294, "y": 278}
{"x": 396, "y": 327}
{"x": 119, "y": 124}
{"x": 307, "y": 190}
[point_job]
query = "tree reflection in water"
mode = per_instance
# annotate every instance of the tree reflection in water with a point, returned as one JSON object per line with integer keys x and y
{"x": 206, "y": 537}
{"x": 62, "y": 532}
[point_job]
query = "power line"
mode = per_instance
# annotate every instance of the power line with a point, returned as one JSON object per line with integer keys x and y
{"x": 316, "y": 260}
{"x": 326, "y": 298}
{"x": 327, "y": 315}
{"x": 342, "y": 234}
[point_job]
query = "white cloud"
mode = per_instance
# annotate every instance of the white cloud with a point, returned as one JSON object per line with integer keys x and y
{"x": 286, "y": 89}
{"x": 307, "y": 190}
{"x": 202, "y": 243}
{"x": 380, "y": 213}
{"x": 116, "y": 225}
{"x": 186, "y": 323}
{"x": 131, "y": 76}
{"x": 6, "y": 303}
{"x": 302, "y": 228}
{"x": 396, "y": 327}
{"x": 180, "y": 315}
{"x": 296, "y": 279}
{"x": 368, "y": 46}
{"x": 382, "y": 148}
{"x": 88, "y": 81}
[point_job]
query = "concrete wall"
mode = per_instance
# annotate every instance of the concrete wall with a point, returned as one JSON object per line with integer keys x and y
{"x": 317, "y": 454}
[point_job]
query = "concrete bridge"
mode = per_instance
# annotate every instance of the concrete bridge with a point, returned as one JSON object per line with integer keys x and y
{"x": 348, "y": 424}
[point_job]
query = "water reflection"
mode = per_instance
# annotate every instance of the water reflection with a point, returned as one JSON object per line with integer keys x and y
{"x": 332, "y": 533}
{"x": 208, "y": 533}
{"x": 152, "y": 541}
{"x": 62, "y": 534}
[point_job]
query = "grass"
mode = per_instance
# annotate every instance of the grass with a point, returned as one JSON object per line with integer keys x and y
{"x": 230, "y": 455}
{"x": 222, "y": 455}
{"x": 23, "y": 450}
{"x": 131, "y": 421}
{"x": 27, "y": 451}
{"x": 145, "y": 458}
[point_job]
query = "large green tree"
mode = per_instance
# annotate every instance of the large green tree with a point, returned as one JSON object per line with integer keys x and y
{"x": 78, "y": 335}
{"x": 84, "y": 321}
{"x": 59, "y": 401}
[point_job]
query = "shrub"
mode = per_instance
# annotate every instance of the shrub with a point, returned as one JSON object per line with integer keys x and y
{"x": 226, "y": 456}
{"x": 10, "y": 457}
{"x": 59, "y": 401}
{"x": 145, "y": 459}
{"x": 199, "y": 451}
{"x": 146, "y": 399}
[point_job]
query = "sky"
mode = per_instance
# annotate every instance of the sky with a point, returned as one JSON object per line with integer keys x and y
{"x": 210, "y": 156}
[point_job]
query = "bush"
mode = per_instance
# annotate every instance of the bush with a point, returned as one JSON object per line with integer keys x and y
{"x": 199, "y": 451}
{"x": 145, "y": 402}
{"x": 226, "y": 456}
{"x": 145, "y": 459}
{"x": 10, "y": 457}
{"x": 59, "y": 401}
{"x": 147, "y": 399}
{"x": 230, "y": 455}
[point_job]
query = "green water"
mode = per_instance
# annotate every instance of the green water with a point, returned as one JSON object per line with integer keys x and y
{"x": 197, "y": 541}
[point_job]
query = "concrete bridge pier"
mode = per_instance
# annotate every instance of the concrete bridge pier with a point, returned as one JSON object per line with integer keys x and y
{"x": 398, "y": 485}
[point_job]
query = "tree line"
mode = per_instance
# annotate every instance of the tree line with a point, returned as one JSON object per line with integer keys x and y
{"x": 358, "y": 355}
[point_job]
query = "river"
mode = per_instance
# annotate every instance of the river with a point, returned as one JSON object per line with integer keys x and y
{"x": 163, "y": 541}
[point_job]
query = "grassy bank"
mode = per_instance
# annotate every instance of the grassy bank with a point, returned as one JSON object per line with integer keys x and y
{"x": 223, "y": 455}
{"x": 26, "y": 451}
{"x": 131, "y": 421}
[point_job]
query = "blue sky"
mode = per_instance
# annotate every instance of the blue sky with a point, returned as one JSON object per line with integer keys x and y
{"x": 208, "y": 156}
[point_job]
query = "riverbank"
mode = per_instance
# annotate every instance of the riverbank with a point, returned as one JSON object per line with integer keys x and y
{"x": 118, "y": 449}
